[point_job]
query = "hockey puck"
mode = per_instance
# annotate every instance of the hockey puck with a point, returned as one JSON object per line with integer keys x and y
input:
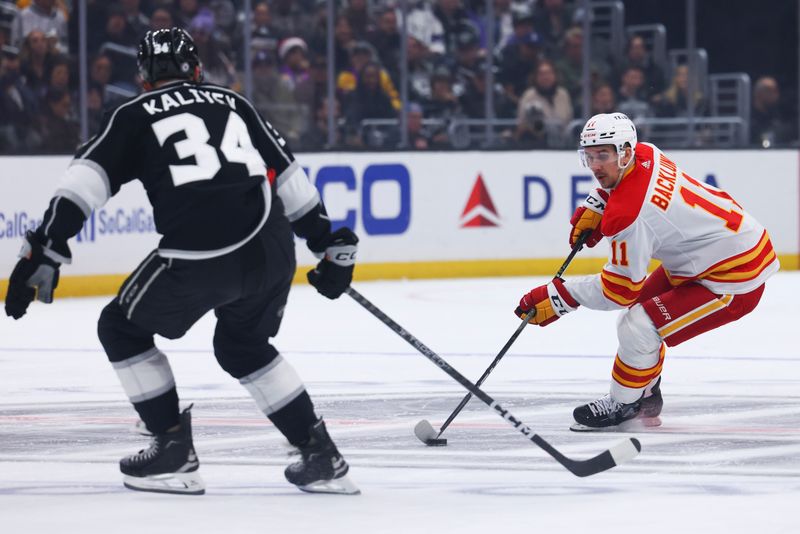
{"x": 427, "y": 435}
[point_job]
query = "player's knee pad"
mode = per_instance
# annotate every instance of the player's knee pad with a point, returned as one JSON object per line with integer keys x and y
{"x": 273, "y": 386}
{"x": 639, "y": 342}
{"x": 120, "y": 338}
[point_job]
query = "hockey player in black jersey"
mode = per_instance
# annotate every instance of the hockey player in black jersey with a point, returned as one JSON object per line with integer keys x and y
{"x": 226, "y": 194}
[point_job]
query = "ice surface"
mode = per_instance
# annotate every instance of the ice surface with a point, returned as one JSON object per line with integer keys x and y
{"x": 727, "y": 458}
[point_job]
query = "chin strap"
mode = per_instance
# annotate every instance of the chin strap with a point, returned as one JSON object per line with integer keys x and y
{"x": 624, "y": 168}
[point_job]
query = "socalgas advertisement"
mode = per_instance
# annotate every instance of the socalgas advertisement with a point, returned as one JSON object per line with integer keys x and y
{"x": 433, "y": 214}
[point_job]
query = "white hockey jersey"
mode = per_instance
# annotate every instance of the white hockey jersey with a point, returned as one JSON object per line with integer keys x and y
{"x": 698, "y": 232}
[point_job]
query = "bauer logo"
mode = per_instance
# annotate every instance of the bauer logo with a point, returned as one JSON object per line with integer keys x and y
{"x": 479, "y": 210}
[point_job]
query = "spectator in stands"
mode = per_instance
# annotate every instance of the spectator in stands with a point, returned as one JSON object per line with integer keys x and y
{"x": 443, "y": 103}
{"x": 295, "y": 68}
{"x": 451, "y": 16}
{"x": 291, "y": 18}
{"x": 265, "y": 35}
{"x": 100, "y": 71}
{"x": 504, "y": 28}
{"x": 58, "y": 128}
{"x": 417, "y": 135}
{"x": 293, "y": 54}
{"x": 570, "y": 67}
{"x": 421, "y": 66}
{"x": 521, "y": 21}
{"x": 41, "y": 15}
{"x": 385, "y": 37}
{"x": 356, "y": 13}
{"x": 467, "y": 52}
{"x": 552, "y": 18}
{"x": 603, "y": 100}
{"x": 636, "y": 55}
{"x": 425, "y": 26}
{"x": 58, "y": 74}
{"x": 518, "y": 63}
{"x": 674, "y": 101}
{"x": 549, "y": 96}
{"x": 632, "y": 94}
{"x": 117, "y": 29}
{"x": 272, "y": 95}
{"x": 184, "y": 11}
{"x": 442, "y": 106}
{"x": 18, "y": 105}
{"x": 35, "y": 58}
{"x": 368, "y": 101}
{"x": 137, "y": 21}
{"x": 531, "y": 129}
{"x": 343, "y": 41}
{"x": 472, "y": 99}
{"x": 362, "y": 53}
{"x": 217, "y": 66}
{"x": 768, "y": 127}
{"x": 319, "y": 80}
{"x": 95, "y": 107}
{"x": 161, "y": 19}
{"x": 316, "y": 138}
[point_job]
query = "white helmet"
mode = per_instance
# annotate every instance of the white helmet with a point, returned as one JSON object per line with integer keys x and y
{"x": 609, "y": 129}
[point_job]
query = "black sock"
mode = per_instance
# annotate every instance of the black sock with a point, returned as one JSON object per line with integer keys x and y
{"x": 160, "y": 413}
{"x": 295, "y": 419}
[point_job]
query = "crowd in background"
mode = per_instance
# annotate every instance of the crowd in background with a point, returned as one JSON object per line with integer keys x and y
{"x": 537, "y": 66}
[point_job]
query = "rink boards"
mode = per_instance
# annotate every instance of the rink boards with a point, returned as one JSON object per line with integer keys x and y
{"x": 418, "y": 215}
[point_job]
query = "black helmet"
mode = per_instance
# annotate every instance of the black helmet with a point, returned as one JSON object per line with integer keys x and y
{"x": 167, "y": 53}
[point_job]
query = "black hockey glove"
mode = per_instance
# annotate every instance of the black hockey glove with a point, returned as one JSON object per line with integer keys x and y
{"x": 334, "y": 272}
{"x": 34, "y": 276}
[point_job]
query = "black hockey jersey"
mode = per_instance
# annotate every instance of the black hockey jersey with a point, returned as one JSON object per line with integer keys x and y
{"x": 208, "y": 162}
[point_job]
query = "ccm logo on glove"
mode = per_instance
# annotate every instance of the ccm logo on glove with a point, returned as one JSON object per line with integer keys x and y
{"x": 588, "y": 216}
{"x": 334, "y": 272}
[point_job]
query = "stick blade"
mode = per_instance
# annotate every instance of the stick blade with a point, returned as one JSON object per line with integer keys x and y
{"x": 428, "y": 435}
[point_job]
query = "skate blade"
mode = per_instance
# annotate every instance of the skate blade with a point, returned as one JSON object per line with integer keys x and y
{"x": 634, "y": 425}
{"x": 179, "y": 483}
{"x": 339, "y": 486}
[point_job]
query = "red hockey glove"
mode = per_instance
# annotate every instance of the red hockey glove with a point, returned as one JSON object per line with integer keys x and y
{"x": 588, "y": 217}
{"x": 551, "y": 302}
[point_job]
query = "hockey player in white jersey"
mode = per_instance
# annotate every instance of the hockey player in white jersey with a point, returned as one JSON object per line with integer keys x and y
{"x": 715, "y": 258}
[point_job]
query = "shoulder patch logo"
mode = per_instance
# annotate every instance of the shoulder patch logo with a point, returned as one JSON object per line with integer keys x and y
{"x": 480, "y": 210}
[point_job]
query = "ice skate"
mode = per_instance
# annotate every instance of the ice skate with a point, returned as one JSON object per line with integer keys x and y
{"x": 321, "y": 469}
{"x": 608, "y": 415}
{"x": 168, "y": 465}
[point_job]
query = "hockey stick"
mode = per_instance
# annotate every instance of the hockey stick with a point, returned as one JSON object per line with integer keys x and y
{"x": 607, "y": 459}
{"x": 424, "y": 430}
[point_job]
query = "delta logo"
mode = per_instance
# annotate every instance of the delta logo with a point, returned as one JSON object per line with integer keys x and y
{"x": 480, "y": 210}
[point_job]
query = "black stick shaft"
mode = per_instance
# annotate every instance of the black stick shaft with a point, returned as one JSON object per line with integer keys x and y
{"x": 603, "y": 461}
{"x": 578, "y": 246}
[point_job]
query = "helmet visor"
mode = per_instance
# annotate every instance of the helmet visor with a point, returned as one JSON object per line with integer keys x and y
{"x": 588, "y": 159}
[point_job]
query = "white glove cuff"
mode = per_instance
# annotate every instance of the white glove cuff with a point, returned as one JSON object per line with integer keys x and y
{"x": 560, "y": 306}
{"x": 595, "y": 203}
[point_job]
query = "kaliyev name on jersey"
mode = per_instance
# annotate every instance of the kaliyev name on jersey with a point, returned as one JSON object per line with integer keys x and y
{"x": 178, "y": 98}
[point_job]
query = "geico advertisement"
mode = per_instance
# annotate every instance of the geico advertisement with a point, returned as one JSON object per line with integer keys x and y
{"x": 410, "y": 207}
